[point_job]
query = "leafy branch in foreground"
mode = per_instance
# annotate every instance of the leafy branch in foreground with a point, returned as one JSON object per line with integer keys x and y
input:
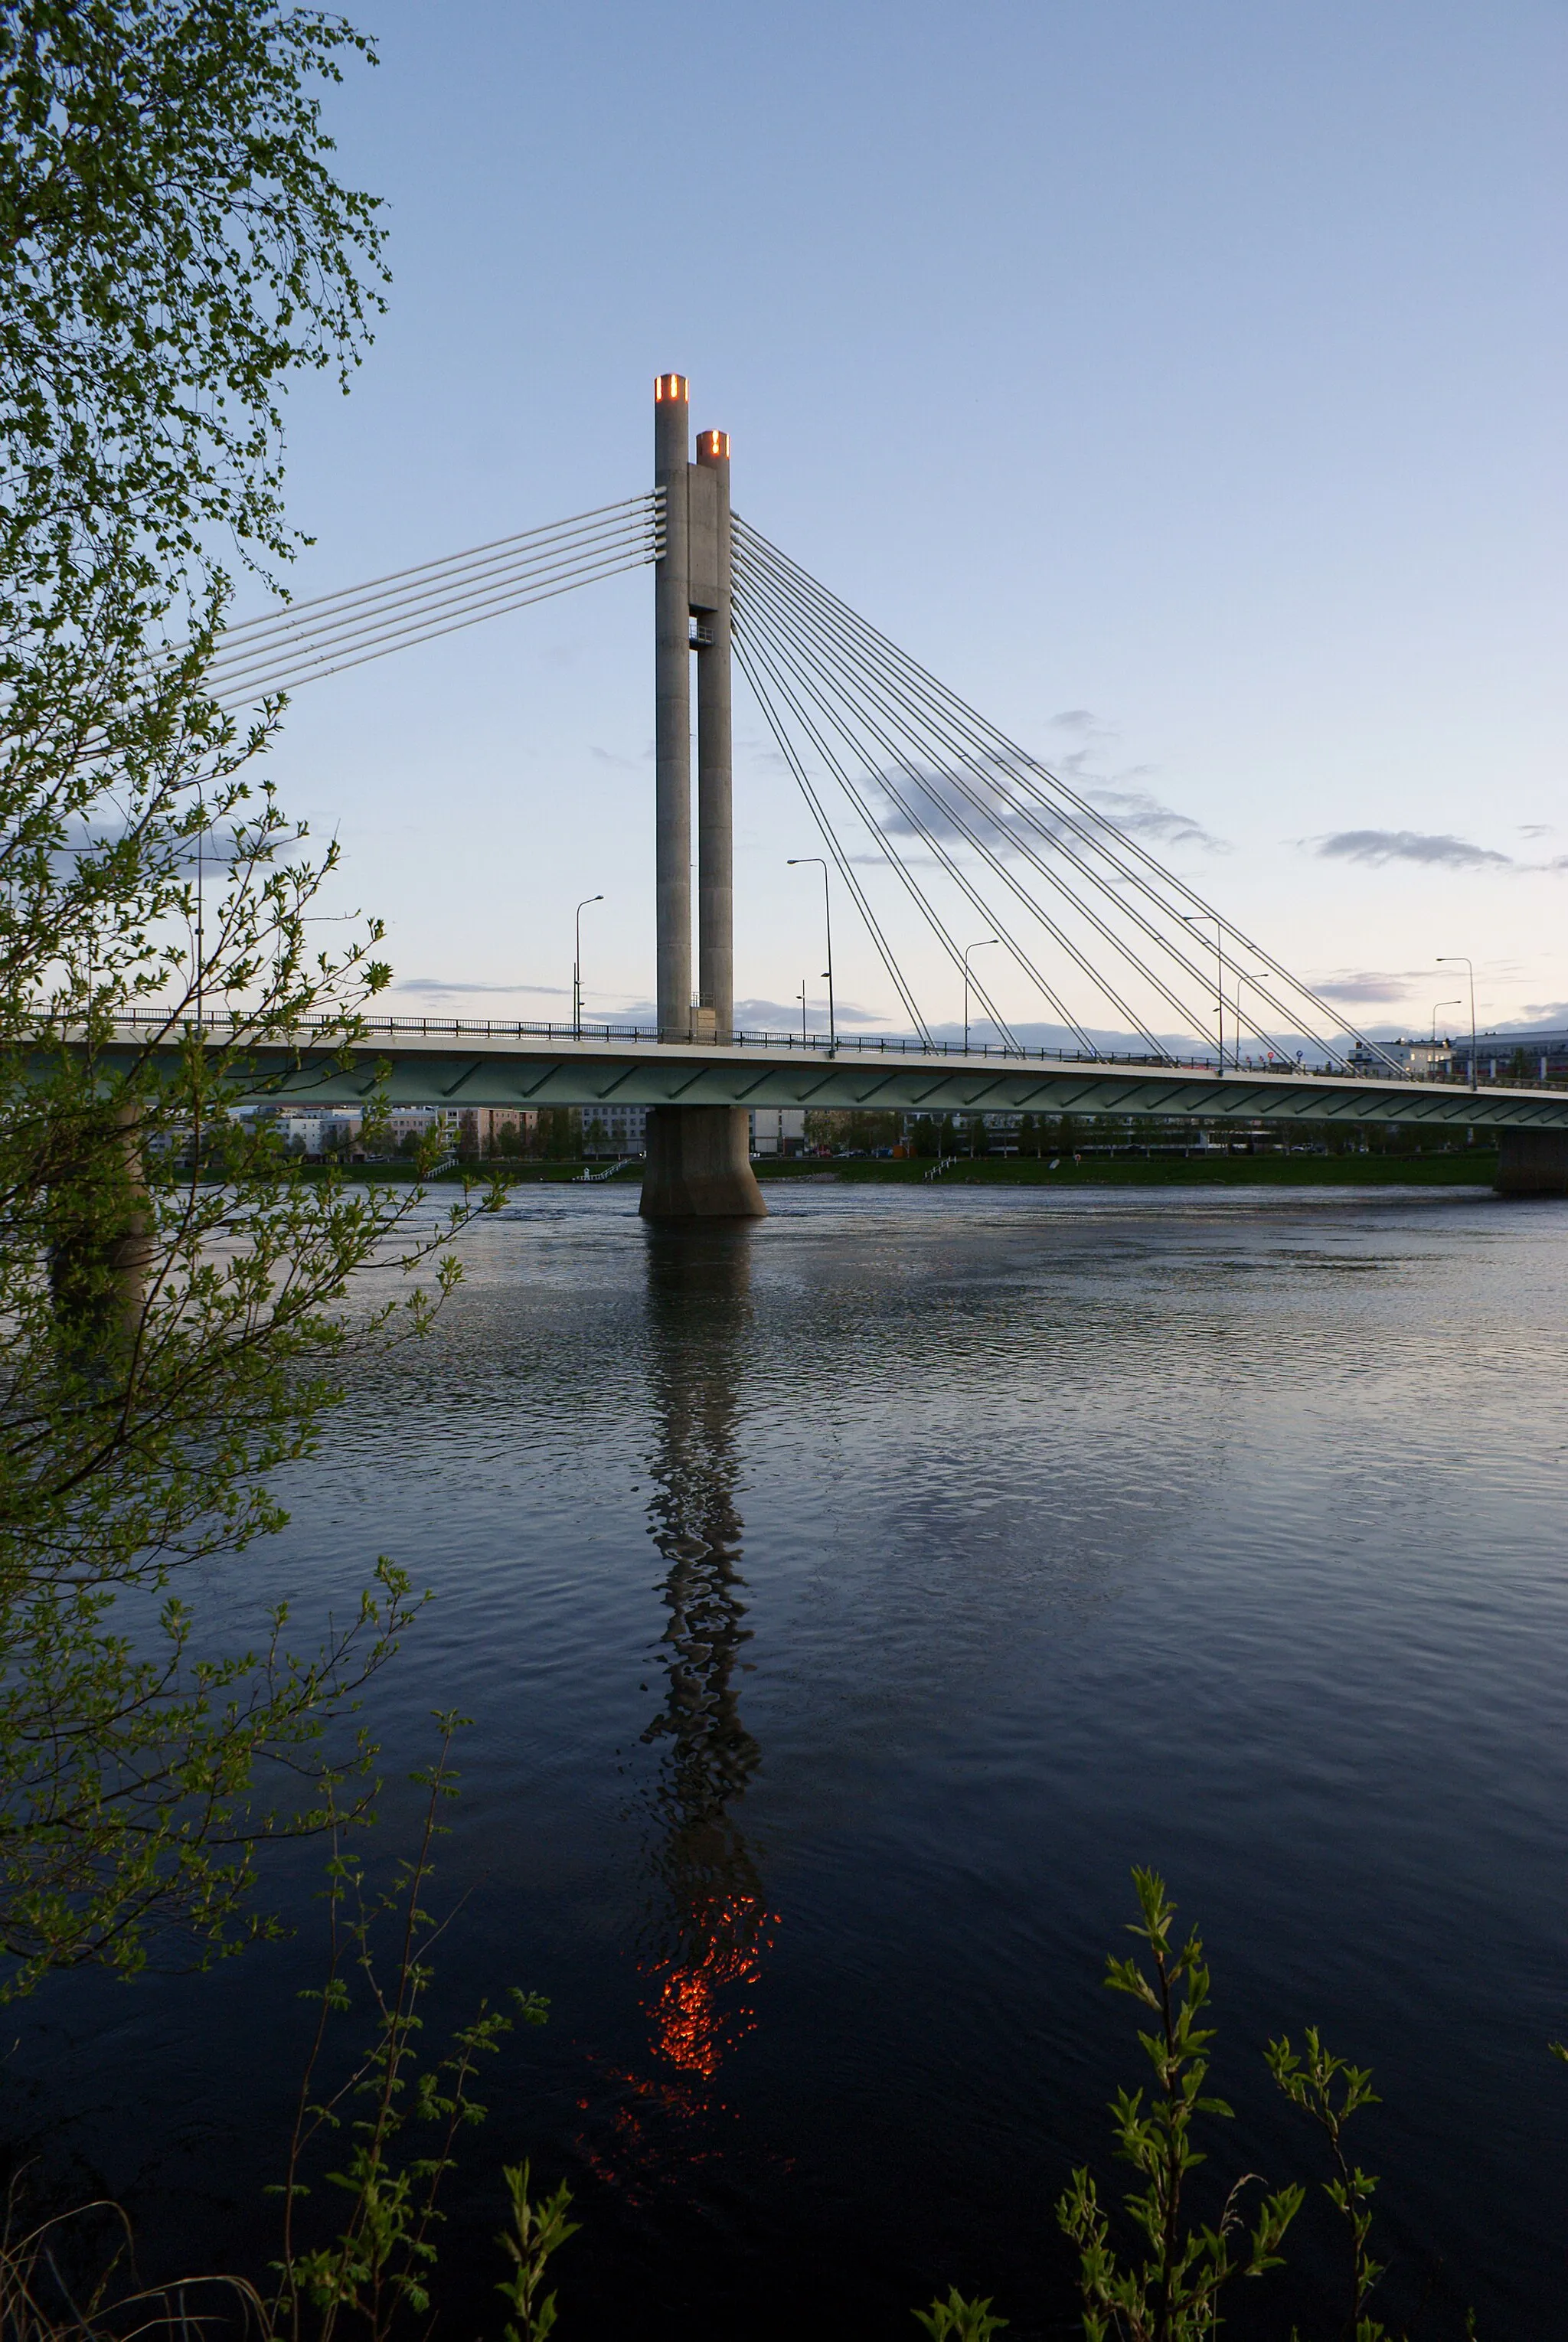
{"x": 377, "y": 2126}
{"x": 537, "y": 2231}
{"x": 175, "y": 1295}
{"x": 399, "y": 2114}
{"x": 1310, "y": 2083}
{"x": 1171, "y": 2293}
{"x": 958, "y": 2320}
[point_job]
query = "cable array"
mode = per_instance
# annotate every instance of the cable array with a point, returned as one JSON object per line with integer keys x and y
{"x": 335, "y": 631}
{"x": 1091, "y": 919}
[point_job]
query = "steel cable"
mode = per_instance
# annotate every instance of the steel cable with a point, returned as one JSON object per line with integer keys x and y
{"x": 354, "y": 632}
{"x": 864, "y": 683}
{"x": 762, "y": 653}
{"x": 374, "y": 615}
{"x": 985, "y": 774}
{"x": 829, "y": 837}
{"x": 497, "y": 548}
{"x": 813, "y": 647}
{"x": 1097, "y": 833}
{"x": 800, "y": 671}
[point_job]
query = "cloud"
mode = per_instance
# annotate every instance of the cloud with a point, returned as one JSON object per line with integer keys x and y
{"x": 1535, "y": 829}
{"x": 1379, "y": 845}
{"x": 1007, "y": 818}
{"x": 1074, "y": 719}
{"x": 879, "y": 861}
{"x": 1143, "y": 815}
{"x": 438, "y": 984}
{"x": 1369, "y": 984}
{"x": 778, "y": 1015}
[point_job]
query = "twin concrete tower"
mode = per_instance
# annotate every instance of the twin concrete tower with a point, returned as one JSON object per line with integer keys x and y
{"x": 698, "y": 1162}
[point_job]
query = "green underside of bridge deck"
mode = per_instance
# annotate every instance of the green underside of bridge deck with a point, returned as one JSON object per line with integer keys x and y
{"x": 647, "y": 1075}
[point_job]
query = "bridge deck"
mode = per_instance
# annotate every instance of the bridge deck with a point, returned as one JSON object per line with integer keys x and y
{"x": 452, "y": 1065}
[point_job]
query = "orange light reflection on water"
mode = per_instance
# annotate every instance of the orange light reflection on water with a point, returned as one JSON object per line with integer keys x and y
{"x": 699, "y": 2011}
{"x": 692, "y": 2026}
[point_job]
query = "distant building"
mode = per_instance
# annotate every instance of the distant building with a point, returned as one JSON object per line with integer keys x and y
{"x": 777, "y": 1129}
{"x": 1513, "y": 1056}
{"x": 479, "y": 1129}
{"x": 316, "y": 1130}
{"x": 618, "y": 1130}
{"x": 414, "y": 1121}
{"x": 1418, "y": 1061}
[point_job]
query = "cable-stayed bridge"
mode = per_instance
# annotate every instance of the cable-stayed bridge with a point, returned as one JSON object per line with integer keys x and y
{"x": 933, "y": 822}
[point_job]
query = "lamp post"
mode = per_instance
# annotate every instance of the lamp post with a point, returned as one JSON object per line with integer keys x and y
{"x": 577, "y": 968}
{"x": 968, "y": 948}
{"x": 1192, "y": 919}
{"x": 800, "y": 995}
{"x": 1435, "y": 1006}
{"x": 1457, "y": 959}
{"x": 795, "y": 862}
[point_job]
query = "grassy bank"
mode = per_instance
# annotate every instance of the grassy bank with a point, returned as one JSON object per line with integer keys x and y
{"x": 1471, "y": 1167}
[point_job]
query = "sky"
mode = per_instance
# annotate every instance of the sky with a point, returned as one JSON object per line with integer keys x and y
{"x": 1182, "y": 386}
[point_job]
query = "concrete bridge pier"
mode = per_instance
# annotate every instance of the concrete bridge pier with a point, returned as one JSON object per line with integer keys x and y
{"x": 1532, "y": 1162}
{"x": 99, "y": 1244}
{"x": 698, "y": 1159}
{"x": 698, "y": 1165}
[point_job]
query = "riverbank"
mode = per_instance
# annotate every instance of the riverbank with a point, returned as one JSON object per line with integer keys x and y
{"x": 1471, "y": 1167}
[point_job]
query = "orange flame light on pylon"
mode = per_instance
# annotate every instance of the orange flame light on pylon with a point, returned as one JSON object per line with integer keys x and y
{"x": 668, "y": 387}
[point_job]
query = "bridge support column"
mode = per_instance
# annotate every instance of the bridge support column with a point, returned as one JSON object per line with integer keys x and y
{"x": 710, "y": 585}
{"x": 699, "y": 1164}
{"x": 672, "y": 713}
{"x": 1532, "y": 1162}
{"x": 99, "y": 1245}
{"x": 698, "y": 1157}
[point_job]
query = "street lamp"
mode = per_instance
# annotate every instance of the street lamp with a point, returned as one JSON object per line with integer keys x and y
{"x": 577, "y": 968}
{"x": 1457, "y": 959}
{"x": 794, "y": 861}
{"x": 968, "y": 948}
{"x": 1192, "y": 919}
{"x": 1435, "y": 1006}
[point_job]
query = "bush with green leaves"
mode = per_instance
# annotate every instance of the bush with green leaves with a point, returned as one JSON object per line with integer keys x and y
{"x": 1153, "y": 2268}
{"x": 175, "y": 1295}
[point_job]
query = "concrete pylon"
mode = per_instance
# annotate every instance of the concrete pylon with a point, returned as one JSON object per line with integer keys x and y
{"x": 1532, "y": 1162}
{"x": 672, "y": 713}
{"x": 698, "y": 1162}
{"x": 709, "y": 540}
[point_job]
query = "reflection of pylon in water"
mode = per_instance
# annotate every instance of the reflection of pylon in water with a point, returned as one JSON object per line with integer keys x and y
{"x": 702, "y": 1960}
{"x": 716, "y": 1920}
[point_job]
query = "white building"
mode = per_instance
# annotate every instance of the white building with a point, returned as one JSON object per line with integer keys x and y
{"x": 777, "y": 1129}
{"x": 623, "y": 1130}
{"x": 1418, "y": 1061}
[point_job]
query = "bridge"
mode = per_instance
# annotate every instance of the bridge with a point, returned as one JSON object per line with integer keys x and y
{"x": 424, "y": 1061}
{"x": 966, "y": 828}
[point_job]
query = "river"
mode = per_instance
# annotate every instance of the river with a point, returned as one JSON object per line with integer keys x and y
{"x": 842, "y": 1605}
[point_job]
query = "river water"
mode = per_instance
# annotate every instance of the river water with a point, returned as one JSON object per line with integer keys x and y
{"x": 843, "y": 1604}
